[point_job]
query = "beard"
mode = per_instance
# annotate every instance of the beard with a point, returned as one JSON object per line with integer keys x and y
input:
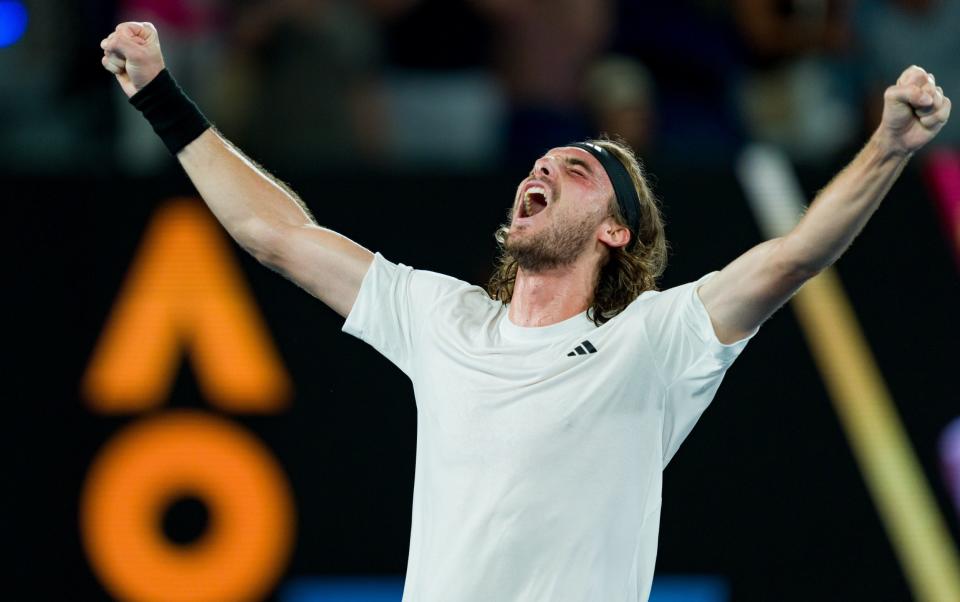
{"x": 557, "y": 245}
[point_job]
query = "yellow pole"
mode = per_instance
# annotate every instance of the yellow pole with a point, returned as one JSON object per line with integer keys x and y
{"x": 866, "y": 409}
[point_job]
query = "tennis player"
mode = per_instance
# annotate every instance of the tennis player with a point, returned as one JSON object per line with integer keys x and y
{"x": 549, "y": 404}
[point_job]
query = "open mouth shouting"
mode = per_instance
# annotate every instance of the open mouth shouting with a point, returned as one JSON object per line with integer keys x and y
{"x": 533, "y": 200}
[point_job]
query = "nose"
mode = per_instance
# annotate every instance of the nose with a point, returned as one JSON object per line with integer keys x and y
{"x": 543, "y": 167}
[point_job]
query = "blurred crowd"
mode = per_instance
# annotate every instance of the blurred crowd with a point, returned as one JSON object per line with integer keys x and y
{"x": 325, "y": 85}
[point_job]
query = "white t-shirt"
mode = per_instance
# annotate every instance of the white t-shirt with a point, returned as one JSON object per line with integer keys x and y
{"x": 540, "y": 451}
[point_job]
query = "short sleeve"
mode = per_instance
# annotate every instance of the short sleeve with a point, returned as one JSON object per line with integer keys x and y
{"x": 393, "y": 303}
{"x": 690, "y": 358}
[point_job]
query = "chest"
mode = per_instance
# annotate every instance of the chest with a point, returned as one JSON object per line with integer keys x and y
{"x": 478, "y": 396}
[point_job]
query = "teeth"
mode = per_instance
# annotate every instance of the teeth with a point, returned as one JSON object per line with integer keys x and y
{"x": 531, "y": 191}
{"x": 536, "y": 190}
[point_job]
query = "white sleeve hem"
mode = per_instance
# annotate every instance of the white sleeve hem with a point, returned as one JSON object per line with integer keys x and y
{"x": 353, "y": 324}
{"x": 700, "y": 318}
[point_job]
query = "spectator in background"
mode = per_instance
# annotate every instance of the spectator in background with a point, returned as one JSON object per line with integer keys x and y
{"x": 619, "y": 96}
{"x": 451, "y": 108}
{"x": 690, "y": 48}
{"x": 924, "y": 32}
{"x": 543, "y": 49}
{"x": 796, "y": 55}
{"x": 310, "y": 67}
{"x": 443, "y": 104}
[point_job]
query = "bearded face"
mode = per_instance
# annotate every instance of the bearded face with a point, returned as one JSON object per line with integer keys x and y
{"x": 556, "y": 244}
{"x": 557, "y": 210}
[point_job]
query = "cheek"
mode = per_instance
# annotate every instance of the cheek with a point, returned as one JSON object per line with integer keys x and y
{"x": 580, "y": 218}
{"x": 594, "y": 206}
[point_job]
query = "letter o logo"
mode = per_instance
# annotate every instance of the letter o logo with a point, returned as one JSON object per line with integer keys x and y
{"x": 249, "y": 537}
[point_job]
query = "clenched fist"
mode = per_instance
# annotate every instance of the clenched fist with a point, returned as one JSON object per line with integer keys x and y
{"x": 132, "y": 53}
{"x": 914, "y": 110}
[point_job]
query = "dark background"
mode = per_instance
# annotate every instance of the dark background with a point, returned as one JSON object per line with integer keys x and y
{"x": 765, "y": 492}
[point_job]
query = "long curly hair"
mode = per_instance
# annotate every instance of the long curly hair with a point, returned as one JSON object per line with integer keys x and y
{"x": 627, "y": 271}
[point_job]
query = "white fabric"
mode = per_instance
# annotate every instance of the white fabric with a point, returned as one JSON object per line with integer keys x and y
{"x": 538, "y": 474}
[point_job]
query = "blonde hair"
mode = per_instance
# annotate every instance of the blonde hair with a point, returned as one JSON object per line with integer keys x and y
{"x": 629, "y": 270}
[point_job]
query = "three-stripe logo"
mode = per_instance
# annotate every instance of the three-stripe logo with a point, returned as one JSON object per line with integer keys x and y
{"x": 583, "y": 349}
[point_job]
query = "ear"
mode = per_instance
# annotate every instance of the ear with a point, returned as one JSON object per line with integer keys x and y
{"x": 613, "y": 234}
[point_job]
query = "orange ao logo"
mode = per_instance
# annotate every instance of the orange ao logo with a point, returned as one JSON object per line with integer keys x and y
{"x": 184, "y": 294}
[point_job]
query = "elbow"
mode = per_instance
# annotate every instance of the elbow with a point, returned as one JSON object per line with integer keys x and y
{"x": 794, "y": 265}
{"x": 264, "y": 242}
{"x": 800, "y": 271}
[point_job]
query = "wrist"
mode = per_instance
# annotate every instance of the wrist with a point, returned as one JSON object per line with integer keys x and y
{"x": 171, "y": 113}
{"x": 886, "y": 148}
{"x": 139, "y": 81}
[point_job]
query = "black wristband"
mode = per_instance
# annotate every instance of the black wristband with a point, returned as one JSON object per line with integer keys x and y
{"x": 173, "y": 116}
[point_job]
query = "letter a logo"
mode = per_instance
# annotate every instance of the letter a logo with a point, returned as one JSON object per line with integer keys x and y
{"x": 185, "y": 293}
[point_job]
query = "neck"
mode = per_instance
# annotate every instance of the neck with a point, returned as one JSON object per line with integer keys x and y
{"x": 548, "y": 297}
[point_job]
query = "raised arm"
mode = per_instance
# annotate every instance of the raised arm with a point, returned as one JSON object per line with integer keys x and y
{"x": 263, "y": 215}
{"x": 752, "y": 287}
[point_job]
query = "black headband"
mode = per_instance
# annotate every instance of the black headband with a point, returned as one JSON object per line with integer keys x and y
{"x": 623, "y": 187}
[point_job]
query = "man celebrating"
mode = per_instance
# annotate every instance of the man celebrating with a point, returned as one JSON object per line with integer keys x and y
{"x": 549, "y": 405}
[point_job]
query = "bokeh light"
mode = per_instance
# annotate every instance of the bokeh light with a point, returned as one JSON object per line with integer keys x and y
{"x": 13, "y": 22}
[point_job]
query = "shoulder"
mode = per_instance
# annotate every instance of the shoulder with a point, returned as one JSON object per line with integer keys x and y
{"x": 674, "y": 296}
{"x": 425, "y": 287}
{"x": 661, "y": 311}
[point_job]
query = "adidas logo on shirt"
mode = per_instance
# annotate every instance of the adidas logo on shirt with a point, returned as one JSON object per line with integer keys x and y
{"x": 583, "y": 349}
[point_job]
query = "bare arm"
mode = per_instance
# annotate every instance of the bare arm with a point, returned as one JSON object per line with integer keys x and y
{"x": 264, "y": 216}
{"x": 270, "y": 222}
{"x": 751, "y": 288}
